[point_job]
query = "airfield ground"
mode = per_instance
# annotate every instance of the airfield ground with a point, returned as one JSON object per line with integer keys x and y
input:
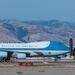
{"x": 62, "y": 67}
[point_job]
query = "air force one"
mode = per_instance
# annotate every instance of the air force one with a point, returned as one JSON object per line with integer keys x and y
{"x": 34, "y": 49}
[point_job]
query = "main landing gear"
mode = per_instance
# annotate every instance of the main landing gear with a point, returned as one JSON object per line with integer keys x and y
{"x": 3, "y": 59}
{"x": 56, "y": 59}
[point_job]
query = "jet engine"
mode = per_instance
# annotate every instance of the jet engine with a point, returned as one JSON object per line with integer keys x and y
{"x": 3, "y": 54}
{"x": 21, "y": 55}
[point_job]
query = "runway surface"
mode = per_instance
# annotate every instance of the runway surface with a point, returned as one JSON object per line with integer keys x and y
{"x": 37, "y": 71}
{"x": 41, "y": 70}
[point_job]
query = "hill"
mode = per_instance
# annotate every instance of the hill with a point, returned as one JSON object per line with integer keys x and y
{"x": 30, "y": 31}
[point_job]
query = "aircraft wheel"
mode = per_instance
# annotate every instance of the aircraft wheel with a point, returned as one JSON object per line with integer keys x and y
{"x": 56, "y": 60}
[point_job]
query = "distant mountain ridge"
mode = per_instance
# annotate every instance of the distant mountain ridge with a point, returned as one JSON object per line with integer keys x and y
{"x": 52, "y": 23}
{"x": 29, "y": 31}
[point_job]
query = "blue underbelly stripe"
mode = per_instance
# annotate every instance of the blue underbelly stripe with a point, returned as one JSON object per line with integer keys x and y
{"x": 28, "y": 49}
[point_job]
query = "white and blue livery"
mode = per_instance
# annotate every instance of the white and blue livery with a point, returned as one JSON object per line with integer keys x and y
{"x": 34, "y": 49}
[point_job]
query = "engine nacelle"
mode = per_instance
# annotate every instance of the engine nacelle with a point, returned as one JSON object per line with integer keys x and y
{"x": 3, "y": 54}
{"x": 21, "y": 55}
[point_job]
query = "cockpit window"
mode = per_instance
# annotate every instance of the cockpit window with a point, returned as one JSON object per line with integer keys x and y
{"x": 60, "y": 43}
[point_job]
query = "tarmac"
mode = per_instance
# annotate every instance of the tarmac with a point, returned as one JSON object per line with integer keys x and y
{"x": 62, "y": 67}
{"x": 37, "y": 71}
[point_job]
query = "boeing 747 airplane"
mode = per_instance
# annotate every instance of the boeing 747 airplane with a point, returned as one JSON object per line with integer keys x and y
{"x": 34, "y": 49}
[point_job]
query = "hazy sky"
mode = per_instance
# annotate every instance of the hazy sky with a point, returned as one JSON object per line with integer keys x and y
{"x": 38, "y": 10}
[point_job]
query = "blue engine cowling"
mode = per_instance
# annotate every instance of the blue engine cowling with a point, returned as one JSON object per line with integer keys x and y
{"x": 3, "y": 54}
{"x": 21, "y": 55}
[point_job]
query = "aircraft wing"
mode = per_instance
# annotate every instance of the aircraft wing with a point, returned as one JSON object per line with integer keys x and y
{"x": 40, "y": 54}
{"x": 32, "y": 53}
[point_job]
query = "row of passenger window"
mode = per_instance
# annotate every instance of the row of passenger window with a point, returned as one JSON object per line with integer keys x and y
{"x": 16, "y": 46}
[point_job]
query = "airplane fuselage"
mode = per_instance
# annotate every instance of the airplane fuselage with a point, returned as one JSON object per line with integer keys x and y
{"x": 45, "y": 48}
